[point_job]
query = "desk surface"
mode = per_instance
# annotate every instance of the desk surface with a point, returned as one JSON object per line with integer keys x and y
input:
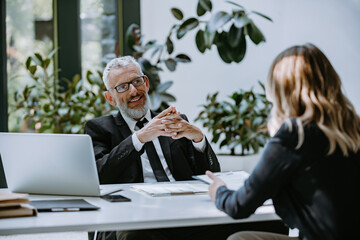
{"x": 143, "y": 212}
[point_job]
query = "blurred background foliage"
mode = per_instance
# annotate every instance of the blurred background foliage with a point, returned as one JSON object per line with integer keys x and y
{"x": 44, "y": 106}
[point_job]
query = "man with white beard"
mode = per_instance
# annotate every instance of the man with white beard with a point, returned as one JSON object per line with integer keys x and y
{"x": 178, "y": 150}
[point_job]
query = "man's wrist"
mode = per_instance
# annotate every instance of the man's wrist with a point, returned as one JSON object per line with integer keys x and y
{"x": 198, "y": 139}
{"x": 136, "y": 142}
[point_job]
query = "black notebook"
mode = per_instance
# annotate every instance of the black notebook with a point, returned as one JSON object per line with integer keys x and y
{"x": 63, "y": 205}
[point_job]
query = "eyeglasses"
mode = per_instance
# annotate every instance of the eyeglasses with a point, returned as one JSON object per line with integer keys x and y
{"x": 123, "y": 87}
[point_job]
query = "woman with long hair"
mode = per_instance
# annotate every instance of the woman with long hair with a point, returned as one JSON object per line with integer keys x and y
{"x": 310, "y": 167}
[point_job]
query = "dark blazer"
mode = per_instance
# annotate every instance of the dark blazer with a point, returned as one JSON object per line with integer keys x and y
{"x": 118, "y": 161}
{"x": 315, "y": 192}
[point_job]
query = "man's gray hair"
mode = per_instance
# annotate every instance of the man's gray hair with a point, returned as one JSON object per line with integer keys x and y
{"x": 118, "y": 63}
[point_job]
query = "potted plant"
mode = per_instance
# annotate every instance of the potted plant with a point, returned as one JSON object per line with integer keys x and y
{"x": 238, "y": 123}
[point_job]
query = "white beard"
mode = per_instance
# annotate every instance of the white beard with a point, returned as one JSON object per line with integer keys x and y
{"x": 135, "y": 113}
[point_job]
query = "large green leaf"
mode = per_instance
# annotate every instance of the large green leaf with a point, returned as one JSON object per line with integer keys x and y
{"x": 177, "y": 13}
{"x": 224, "y": 49}
{"x": 203, "y": 6}
{"x": 234, "y": 36}
{"x": 186, "y": 26}
{"x": 254, "y": 33}
{"x": 218, "y": 20}
{"x": 238, "y": 53}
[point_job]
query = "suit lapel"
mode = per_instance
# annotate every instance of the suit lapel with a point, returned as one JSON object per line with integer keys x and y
{"x": 165, "y": 143}
{"x": 124, "y": 129}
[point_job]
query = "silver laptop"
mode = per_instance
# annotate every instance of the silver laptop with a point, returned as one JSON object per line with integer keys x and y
{"x": 61, "y": 164}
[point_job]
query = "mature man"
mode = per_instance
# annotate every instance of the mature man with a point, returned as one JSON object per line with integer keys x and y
{"x": 167, "y": 148}
{"x": 138, "y": 145}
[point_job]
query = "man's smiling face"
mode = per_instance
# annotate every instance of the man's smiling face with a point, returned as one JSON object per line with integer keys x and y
{"x": 134, "y": 101}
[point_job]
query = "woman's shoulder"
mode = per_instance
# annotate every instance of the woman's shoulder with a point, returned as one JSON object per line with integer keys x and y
{"x": 293, "y": 130}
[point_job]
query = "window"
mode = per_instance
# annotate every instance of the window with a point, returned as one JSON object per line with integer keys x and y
{"x": 29, "y": 29}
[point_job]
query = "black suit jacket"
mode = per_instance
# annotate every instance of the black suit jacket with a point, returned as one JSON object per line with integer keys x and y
{"x": 118, "y": 161}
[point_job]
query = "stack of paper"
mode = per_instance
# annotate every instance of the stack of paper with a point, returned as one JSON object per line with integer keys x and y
{"x": 166, "y": 189}
{"x": 15, "y": 205}
{"x": 233, "y": 180}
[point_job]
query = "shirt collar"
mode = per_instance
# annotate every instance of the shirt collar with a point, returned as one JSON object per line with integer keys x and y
{"x": 132, "y": 122}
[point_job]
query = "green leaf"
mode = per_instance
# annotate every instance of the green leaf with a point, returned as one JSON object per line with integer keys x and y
{"x": 262, "y": 15}
{"x": 162, "y": 87}
{"x": 46, "y": 63}
{"x": 241, "y": 20}
{"x": 203, "y": 6}
{"x": 32, "y": 69}
{"x": 182, "y": 58}
{"x": 169, "y": 45}
{"x": 200, "y": 41}
{"x": 39, "y": 57}
{"x": 170, "y": 64}
{"x": 206, "y": 4}
{"x": 186, "y": 26}
{"x": 234, "y": 36}
{"x": 254, "y": 33}
{"x": 236, "y": 4}
{"x": 177, "y": 13}
{"x": 239, "y": 51}
{"x": 223, "y": 48}
{"x": 200, "y": 10}
{"x": 218, "y": 20}
{"x": 89, "y": 77}
{"x": 28, "y": 62}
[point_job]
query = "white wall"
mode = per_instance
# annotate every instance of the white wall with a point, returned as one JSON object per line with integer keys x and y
{"x": 332, "y": 25}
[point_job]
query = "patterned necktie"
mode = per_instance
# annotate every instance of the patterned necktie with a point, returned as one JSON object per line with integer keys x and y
{"x": 154, "y": 159}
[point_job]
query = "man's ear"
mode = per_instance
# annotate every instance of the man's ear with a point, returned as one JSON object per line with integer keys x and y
{"x": 109, "y": 98}
{"x": 147, "y": 83}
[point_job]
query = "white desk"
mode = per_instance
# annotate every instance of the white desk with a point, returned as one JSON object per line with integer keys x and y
{"x": 143, "y": 212}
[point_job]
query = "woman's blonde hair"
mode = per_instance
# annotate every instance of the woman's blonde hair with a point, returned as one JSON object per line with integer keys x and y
{"x": 302, "y": 84}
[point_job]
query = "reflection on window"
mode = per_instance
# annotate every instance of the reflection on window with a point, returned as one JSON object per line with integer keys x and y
{"x": 29, "y": 29}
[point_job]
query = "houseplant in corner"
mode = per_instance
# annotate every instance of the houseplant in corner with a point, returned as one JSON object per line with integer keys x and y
{"x": 238, "y": 123}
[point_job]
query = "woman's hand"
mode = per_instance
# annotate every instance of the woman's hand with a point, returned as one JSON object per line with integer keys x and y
{"x": 217, "y": 182}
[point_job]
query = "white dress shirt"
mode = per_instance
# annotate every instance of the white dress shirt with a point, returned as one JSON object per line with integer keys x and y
{"x": 148, "y": 173}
